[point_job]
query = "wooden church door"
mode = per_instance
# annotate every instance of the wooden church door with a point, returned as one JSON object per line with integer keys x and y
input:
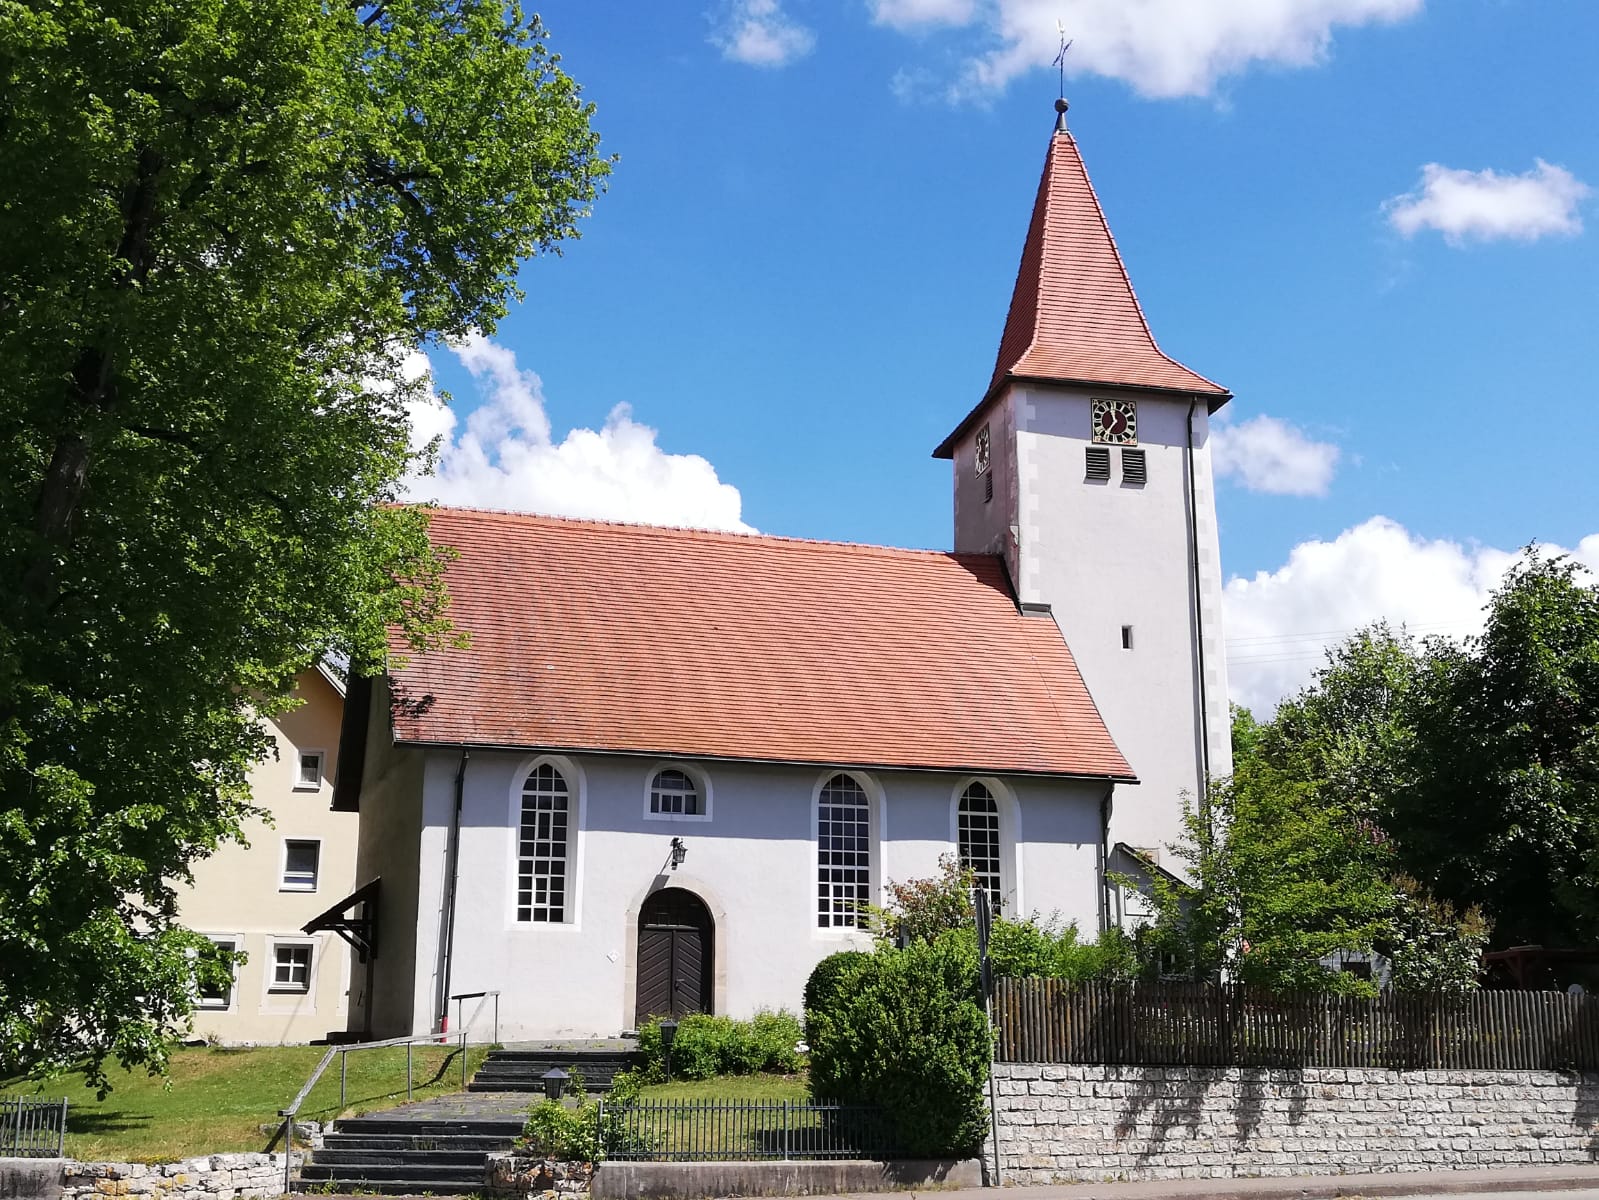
{"x": 675, "y": 945}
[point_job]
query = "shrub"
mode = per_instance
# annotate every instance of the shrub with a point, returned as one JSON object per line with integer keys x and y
{"x": 708, "y": 1046}
{"x": 904, "y": 1030}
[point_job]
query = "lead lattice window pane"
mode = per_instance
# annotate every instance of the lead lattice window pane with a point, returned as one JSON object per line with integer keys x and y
{"x": 542, "y": 847}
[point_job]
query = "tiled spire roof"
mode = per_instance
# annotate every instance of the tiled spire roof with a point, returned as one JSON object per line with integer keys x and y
{"x": 1073, "y": 316}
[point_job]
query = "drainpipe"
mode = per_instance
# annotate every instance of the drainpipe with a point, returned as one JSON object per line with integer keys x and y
{"x": 452, "y": 873}
{"x": 1198, "y": 616}
{"x": 1104, "y": 857}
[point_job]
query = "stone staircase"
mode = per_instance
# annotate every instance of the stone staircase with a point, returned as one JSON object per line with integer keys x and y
{"x": 408, "y": 1156}
{"x": 521, "y": 1068}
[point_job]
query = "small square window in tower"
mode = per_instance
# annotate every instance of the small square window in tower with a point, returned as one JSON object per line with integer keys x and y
{"x": 1134, "y": 470}
{"x": 1098, "y": 462}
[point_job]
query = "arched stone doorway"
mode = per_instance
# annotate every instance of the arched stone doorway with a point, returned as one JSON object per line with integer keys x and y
{"x": 676, "y": 948}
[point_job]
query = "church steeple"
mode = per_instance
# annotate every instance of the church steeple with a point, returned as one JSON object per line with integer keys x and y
{"x": 1073, "y": 316}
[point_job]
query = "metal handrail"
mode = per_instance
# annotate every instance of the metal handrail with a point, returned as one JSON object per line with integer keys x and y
{"x": 427, "y": 1039}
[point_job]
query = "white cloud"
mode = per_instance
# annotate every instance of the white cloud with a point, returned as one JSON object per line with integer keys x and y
{"x": 760, "y": 33}
{"x": 921, "y": 14}
{"x": 1485, "y": 205}
{"x": 506, "y": 457}
{"x": 1161, "y": 48}
{"x": 1267, "y": 455}
{"x": 1280, "y": 623}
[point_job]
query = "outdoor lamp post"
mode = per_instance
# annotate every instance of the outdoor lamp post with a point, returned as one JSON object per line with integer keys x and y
{"x": 668, "y": 1034}
{"x": 555, "y": 1082}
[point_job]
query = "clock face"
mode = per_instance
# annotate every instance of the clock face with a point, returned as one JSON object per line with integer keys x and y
{"x": 980, "y": 456}
{"x": 1116, "y": 421}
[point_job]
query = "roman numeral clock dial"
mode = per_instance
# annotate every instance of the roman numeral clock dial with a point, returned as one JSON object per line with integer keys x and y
{"x": 1116, "y": 421}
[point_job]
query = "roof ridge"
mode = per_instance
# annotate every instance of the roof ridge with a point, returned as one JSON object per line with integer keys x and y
{"x": 702, "y": 533}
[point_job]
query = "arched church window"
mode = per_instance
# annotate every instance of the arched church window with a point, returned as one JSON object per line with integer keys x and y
{"x": 977, "y": 830}
{"x": 673, "y": 792}
{"x": 542, "y": 880}
{"x": 843, "y": 853}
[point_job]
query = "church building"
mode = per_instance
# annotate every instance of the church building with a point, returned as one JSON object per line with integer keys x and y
{"x": 673, "y": 765}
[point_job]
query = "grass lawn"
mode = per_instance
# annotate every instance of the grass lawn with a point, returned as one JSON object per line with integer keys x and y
{"x": 217, "y": 1099}
{"x": 730, "y": 1087}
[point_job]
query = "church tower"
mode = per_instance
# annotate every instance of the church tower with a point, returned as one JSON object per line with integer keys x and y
{"x": 1086, "y": 465}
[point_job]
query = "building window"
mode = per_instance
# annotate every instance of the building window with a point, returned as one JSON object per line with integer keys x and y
{"x": 1127, "y": 637}
{"x": 1096, "y": 462}
{"x": 211, "y": 995}
{"x": 300, "y": 862}
{"x": 291, "y": 968}
{"x": 843, "y": 853}
{"x": 541, "y": 881}
{"x": 977, "y": 833}
{"x": 1134, "y": 470}
{"x": 672, "y": 793}
{"x": 308, "y": 772}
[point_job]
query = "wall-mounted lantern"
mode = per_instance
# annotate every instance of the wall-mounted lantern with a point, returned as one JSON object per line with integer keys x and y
{"x": 679, "y": 852}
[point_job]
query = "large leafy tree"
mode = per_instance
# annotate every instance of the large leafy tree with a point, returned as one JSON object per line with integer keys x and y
{"x": 1501, "y": 803}
{"x": 223, "y": 229}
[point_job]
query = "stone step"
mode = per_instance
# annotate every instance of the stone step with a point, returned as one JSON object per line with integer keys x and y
{"x": 469, "y": 1178}
{"x": 506, "y": 1127}
{"x": 461, "y": 1142}
{"x": 383, "y": 1187}
{"x": 342, "y": 1157}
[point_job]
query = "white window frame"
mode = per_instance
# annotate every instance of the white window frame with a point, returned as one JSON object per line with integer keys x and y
{"x": 874, "y": 843}
{"x": 273, "y": 987}
{"x": 701, "y": 781}
{"x": 300, "y": 785}
{"x": 209, "y": 1004}
{"x": 573, "y": 779}
{"x": 1010, "y": 868}
{"x": 283, "y": 866}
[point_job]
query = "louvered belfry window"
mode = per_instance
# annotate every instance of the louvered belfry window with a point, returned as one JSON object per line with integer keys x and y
{"x": 1133, "y": 467}
{"x": 843, "y": 853}
{"x": 541, "y": 884}
{"x": 1098, "y": 462}
{"x": 977, "y": 826}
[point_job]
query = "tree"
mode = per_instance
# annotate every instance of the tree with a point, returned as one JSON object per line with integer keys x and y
{"x": 1501, "y": 808}
{"x": 224, "y": 229}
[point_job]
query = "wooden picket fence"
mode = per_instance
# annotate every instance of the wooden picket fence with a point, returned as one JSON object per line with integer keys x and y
{"x": 1205, "y": 1025}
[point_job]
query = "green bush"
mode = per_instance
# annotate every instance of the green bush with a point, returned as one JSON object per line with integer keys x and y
{"x": 708, "y": 1046}
{"x": 904, "y": 1030}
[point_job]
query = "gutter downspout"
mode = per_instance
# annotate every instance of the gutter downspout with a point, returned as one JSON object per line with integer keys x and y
{"x": 452, "y": 874}
{"x": 1104, "y": 857}
{"x": 1198, "y": 616}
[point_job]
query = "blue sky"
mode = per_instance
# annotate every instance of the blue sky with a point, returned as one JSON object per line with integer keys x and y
{"x": 1368, "y": 218}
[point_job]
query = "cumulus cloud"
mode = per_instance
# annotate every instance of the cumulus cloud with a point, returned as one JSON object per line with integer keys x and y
{"x": 1487, "y": 206}
{"x": 922, "y": 14}
{"x": 1161, "y": 48}
{"x": 1267, "y": 455}
{"x": 1280, "y": 623}
{"x": 506, "y": 457}
{"x": 760, "y": 33}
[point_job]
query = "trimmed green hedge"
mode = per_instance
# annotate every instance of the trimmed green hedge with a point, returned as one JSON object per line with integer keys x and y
{"x": 904, "y": 1030}
{"x": 708, "y": 1046}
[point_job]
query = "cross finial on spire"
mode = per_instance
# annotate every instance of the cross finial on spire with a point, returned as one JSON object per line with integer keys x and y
{"x": 1060, "y": 61}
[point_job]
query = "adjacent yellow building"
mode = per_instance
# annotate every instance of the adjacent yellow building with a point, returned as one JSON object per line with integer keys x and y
{"x": 256, "y": 897}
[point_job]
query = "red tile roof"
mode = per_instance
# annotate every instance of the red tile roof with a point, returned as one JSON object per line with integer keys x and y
{"x": 631, "y": 638}
{"x": 1073, "y": 316}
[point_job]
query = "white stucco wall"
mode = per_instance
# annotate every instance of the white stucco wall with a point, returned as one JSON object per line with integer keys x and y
{"x": 1109, "y": 554}
{"x": 753, "y": 862}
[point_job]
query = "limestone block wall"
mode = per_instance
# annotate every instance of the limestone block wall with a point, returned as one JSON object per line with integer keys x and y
{"x": 212, "y": 1177}
{"x": 1097, "y": 1123}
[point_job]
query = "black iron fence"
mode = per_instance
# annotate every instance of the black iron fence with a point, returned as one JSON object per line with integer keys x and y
{"x": 1204, "y": 1025}
{"x": 32, "y": 1128}
{"x": 730, "y": 1131}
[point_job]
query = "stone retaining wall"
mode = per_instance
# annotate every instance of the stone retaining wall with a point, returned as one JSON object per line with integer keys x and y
{"x": 212, "y": 1177}
{"x": 1073, "y": 1123}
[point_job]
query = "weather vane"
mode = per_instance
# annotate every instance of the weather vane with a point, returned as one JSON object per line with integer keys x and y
{"x": 1060, "y": 59}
